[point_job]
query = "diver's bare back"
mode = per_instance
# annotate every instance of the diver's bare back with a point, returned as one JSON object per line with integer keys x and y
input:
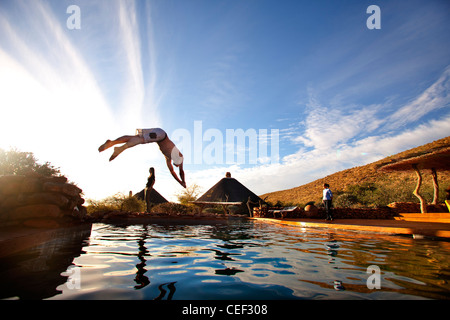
{"x": 166, "y": 146}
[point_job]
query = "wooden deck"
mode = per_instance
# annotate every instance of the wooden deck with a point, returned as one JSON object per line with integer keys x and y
{"x": 435, "y": 227}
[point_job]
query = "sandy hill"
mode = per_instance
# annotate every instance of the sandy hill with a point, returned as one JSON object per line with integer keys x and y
{"x": 389, "y": 187}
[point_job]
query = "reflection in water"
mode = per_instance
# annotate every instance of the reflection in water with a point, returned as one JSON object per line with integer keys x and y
{"x": 228, "y": 271}
{"x": 221, "y": 255}
{"x": 170, "y": 286}
{"x": 238, "y": 260}
{"x": 37, "y": 272}
{"x": 141, "y": 280}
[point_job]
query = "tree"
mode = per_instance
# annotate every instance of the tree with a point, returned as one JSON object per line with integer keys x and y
{"x": 21, "y": 163}
{"x": 191, "y": 193}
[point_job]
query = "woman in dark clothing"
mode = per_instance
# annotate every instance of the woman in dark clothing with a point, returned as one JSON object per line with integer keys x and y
{"x": 149, "y": 187}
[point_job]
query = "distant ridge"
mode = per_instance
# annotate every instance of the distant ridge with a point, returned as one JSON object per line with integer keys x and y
{"x": 342, "y": 180}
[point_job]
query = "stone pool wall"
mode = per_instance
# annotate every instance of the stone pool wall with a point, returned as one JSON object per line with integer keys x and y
{"x": 38, "y": 201}
{"x": 362, "y": 213}
{"x": 411, "y": 207}
{"x": 388, "y": 212}
{"x": 338, "y": 213}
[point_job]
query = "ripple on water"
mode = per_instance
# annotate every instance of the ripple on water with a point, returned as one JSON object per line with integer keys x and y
{"x": 243, "y": 260}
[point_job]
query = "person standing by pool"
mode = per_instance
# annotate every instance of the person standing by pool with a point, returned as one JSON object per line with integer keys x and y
{"x": 149, "y": 187}
{"x": 143, "y": 136}
{"x": 327, "y": 199}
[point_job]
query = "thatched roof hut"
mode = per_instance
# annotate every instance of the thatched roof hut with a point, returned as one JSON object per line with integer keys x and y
{"x": 155, "y": 196}
{"x": 434, "y": 160}
{"x": 228, "y": 191}
{"x": 438, "y": 160}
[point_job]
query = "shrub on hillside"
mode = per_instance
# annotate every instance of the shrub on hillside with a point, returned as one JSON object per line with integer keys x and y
{"x": 346, "y": 200}
{"x": 380, "y": 194}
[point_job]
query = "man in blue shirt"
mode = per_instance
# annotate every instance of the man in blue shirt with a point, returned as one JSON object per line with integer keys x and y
{"x": 327, "y": 198}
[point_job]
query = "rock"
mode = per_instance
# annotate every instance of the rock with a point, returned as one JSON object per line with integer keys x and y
{"x": 20, "y": 200}
{"x": 61, "y": 179}
{"x": 11, "y": 201}
{"x": 41, "y": 223}
{"x": 77, "y": 212}
{"x": 4, "y": 216}
{"x": 11, "y": 184}
{"x": 30, "y": 197}
{"x": 47, "y": 198}
{"x": 74, "y": 202}
{"x": 30, "y": 185}
{"x": 36, "y": 211}
{"x": 68, "y": 189}
{"x": 8, "y": 179}
{"x": 311, "y": 209}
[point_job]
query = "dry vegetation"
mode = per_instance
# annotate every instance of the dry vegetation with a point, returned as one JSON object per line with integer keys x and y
{"x": 367, "y": 186}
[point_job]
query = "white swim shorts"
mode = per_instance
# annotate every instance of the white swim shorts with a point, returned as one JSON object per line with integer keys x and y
{"x": 176, "y": 158}
{"x": 152, "y": 135}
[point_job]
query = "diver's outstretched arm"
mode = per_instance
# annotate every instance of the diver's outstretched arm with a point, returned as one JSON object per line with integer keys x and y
{"x": 172, "y": 171}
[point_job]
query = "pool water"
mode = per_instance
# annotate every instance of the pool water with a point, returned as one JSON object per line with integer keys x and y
{"x": 232, "y": 260}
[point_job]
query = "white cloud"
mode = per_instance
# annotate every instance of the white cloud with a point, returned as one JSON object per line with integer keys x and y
{"x": 306, "y": 166}
{"x": 330, "y": 127}
{"x": 327, "y": 127}
{"x": 130, "y": 45}
{"x": 335, "y": 139}
{"x": 53, "y": 106}
{"x": 435, "y": 97}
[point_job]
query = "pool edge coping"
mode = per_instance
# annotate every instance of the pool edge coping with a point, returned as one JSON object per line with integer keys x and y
{"x": 394, "y": 227}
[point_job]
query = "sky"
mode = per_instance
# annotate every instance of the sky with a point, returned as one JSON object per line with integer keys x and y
{"x": 312, "y": 85}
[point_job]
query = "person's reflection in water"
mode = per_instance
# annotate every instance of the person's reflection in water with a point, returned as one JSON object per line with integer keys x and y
{"x": 142, "y": 280}
{"x": 162, "y": 291}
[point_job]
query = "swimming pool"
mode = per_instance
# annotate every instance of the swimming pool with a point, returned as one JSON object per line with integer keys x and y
{"x": 239, "y": 259}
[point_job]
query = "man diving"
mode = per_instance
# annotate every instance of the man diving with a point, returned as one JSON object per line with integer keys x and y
{"x": 143, "y": 136}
